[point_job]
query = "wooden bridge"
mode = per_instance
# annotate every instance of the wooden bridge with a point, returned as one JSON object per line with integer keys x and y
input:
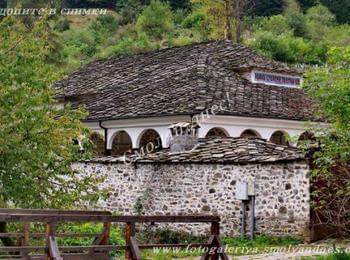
{"x": 100, "y": 247}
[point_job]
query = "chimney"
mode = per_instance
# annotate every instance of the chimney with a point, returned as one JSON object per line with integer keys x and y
{"x": 184, "y": 136}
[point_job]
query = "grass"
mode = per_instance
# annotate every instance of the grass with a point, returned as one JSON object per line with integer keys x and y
{"x": 261, "y": 241}
{"x": 335, "y": 256}
{"x": 168, "y": 236}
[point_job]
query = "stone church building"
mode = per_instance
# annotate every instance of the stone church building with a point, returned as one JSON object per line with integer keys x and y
{"x": 177, "y": 131}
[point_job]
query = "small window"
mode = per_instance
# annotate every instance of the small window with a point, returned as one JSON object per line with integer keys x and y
{"x": 276, "y": 79}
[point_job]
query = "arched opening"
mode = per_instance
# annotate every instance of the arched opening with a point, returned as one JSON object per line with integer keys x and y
{"x": 216, "y": 132}
{"x": 149, "y": 137}
{"x": 280, "y": 138}
{"x": 249, "y": 133}
{"x": 307, "y": 138}
{"x": 121, "y": 143}
{"x": 98, "y": 144}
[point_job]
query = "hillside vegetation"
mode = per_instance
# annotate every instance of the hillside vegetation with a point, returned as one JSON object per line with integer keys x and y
{"x": 289, "y": 31}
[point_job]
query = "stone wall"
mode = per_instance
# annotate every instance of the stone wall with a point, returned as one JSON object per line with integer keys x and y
{"x": 282, "y": 200}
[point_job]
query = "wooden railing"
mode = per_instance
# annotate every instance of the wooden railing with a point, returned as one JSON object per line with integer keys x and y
{"x": 100, "y": 247}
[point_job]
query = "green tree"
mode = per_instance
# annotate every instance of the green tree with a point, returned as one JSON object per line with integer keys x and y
{"x": 180, "y": 4}
{"x": 329, "y": 87}
{"x": 267, "y": 7}
{"x": 156, "y": 20}
{"x": 290, "y": 49}
{"x": 129, "y": 10}
{"x": 36, "y": 136}
{"x": 340, "y": 8}
{"x": 277, "y": 24}
{"x": 223, "y": 18}
{"x": 295, "y": 17}
{"x": 319, "y": 20}
{"x": 103, "y": 27}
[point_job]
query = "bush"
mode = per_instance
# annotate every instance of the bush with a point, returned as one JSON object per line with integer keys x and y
{"x": 339, "y": 36}
{"x": 277, "y": 24}
{"x": 290, "y": 49}
{"x": 193, "y": 21}
{"x": 62, "y": 25}
{"x": 133, "y": 44}
{"x": 106, "y": 22}
{"x": 79, "y": 42}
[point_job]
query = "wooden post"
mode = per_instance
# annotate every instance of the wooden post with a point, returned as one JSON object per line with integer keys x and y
{"x": 215, "y": 228}
{"x": 24, "y": 240}
{"x": 129, "y": 232}
{"x": 106, "y": 233}
{"x": 50, "y": 230}
{"x": 215, "y": 231}
{"x": 215, "y": 241}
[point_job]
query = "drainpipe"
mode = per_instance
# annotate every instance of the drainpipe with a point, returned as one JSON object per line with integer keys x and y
{"x": 243, "y": 205}
{"x": 107, "y": 151}
{"x": 252, "y": 218}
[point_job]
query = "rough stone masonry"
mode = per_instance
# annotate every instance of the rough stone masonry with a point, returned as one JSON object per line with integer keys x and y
{"x": 282, "y": 192}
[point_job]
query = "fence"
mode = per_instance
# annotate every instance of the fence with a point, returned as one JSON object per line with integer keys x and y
{"x": 100, "y": 247}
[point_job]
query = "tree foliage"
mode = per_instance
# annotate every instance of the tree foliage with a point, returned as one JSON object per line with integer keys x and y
{"x": 129, "y": 10}
{"x": 329, "y": 87}
{"x": 318, "y": 22}
{"x": 36, "y": 136}
{"x": 156, "y": 19}
{"x": 340, "y": 8}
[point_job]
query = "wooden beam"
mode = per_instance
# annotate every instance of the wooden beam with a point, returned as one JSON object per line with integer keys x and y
{"x": 103, "y": 238}
{"x": 105, "y": 218}
{"x": 61, "y": 248}
{"x": 54, "y": 211}
{"x": 37, "y": 235}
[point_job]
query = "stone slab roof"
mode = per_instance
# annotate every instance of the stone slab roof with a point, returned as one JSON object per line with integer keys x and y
{"x": 223, "y": 150}
{"x": 183, "y": 81}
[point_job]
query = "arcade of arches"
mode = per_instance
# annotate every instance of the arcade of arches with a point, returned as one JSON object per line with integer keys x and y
{"x": 123, "y": 143}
